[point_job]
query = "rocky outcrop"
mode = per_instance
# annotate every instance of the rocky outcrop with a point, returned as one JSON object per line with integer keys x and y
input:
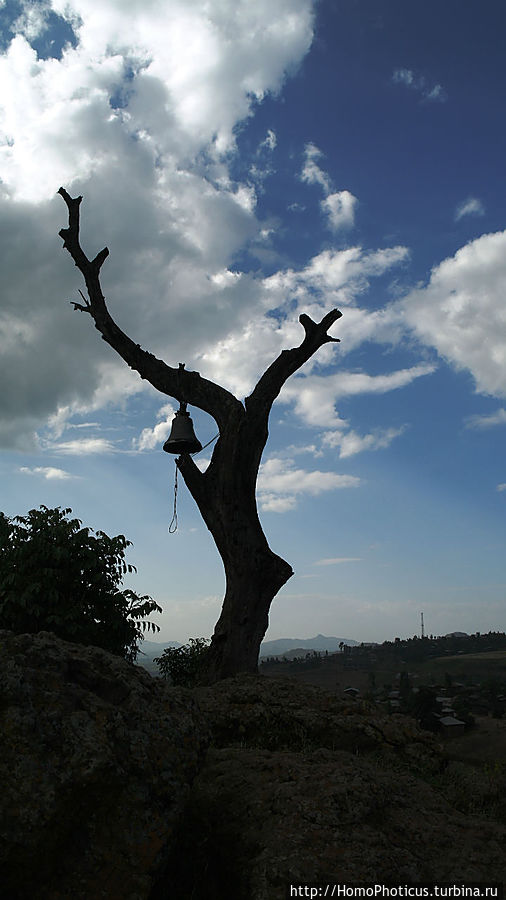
{"x": 118, "y": 787}
{"x": 302, "y": 787}
{"x": 96, "y": 760}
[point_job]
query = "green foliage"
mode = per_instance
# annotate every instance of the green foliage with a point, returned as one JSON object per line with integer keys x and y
{"x": 57, "y": 576}
{"x": 184, "y": 665}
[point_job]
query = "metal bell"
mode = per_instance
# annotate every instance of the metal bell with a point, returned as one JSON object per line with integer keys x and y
{"x": 182, "y": 436}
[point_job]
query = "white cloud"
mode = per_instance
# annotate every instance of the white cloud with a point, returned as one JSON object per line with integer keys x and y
{"x": 280, "y": 484}
{"x": 461, "y": 311}
{"x": 332, "y": 270}
{"x": 487, "y": 421}
{"x": 331, "y": 278}
{"x": 311, "y": 171}
{"x": 33, "y": 20}
{"x": 351, "y": 443}
{"x": 187, "y": 72}
{"x": 83, "y": 446}
{"x": 340, "y": 208}
{"x": 270, "y": 141}
{"x": 420, "y": 84}
{"x": 337, "y": 560}
{"x": 154, "y": 438}
{"x": 470, "y": 207}
{"x": 139, "y": 117}
{"x": 49, "y": 472}
{"x": 403, "y": 76}
{"x": 314, "y": 396}
{"x": 501, "y": 487}
{"x": 294, "y": 450}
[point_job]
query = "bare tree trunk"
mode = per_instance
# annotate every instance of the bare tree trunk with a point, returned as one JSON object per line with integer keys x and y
{"x": 254, "y": 574}
{"x": 226, "y": 492}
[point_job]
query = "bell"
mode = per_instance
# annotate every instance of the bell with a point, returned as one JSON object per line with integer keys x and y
{"x": 182, "y": 436}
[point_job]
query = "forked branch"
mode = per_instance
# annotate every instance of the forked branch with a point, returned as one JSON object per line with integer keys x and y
{"x": 198, "y": 391}
{"x": 189, "y": 386}
{"x": 288, "y": 361}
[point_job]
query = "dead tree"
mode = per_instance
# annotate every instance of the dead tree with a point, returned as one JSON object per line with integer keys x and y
{"x": 226, "y": 492}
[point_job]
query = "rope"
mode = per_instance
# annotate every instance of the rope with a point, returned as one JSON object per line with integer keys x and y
{"x": 207, "y": 445}
{"x": 173, "y": 524}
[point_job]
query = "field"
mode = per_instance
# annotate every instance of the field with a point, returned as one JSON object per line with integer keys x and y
{"x": 466, "y": 666}
{"x": 332, "y": 674}
{"x": 485, "y": 744}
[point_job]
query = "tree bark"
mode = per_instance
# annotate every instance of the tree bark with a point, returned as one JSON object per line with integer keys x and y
{"x": 226, "y": 493}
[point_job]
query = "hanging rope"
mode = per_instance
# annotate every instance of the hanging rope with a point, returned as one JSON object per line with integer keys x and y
{"x": 207, "y": 445}
{"x": 173, "y": 524}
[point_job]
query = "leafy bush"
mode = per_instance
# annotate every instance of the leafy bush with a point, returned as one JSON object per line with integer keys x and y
{"x": 184, "y": 665}
{"x": 56, "y": 576}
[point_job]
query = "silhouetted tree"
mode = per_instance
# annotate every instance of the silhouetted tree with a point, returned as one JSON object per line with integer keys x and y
{"x": 57, "y": 576}
{"x": 226, "y": 492}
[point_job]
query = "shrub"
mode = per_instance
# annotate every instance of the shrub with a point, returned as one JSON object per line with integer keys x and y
{"x": 57, "y": 576}
{"x": 184, "y": 665}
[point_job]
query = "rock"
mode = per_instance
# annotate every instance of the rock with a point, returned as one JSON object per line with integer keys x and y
{"x": 276, "y": 714}
{"x": 118, "y": 787}
{"x": 96, "y": 760}
{"x": 303, "y": 787}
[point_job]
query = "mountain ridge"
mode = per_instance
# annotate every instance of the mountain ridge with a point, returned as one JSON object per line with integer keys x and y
{"x": 267, "y": 648}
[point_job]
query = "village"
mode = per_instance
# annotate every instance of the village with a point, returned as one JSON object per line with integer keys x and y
{"x": 453, "y": 685}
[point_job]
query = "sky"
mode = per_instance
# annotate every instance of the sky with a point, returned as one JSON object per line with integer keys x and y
{"x": 244, "y": 163}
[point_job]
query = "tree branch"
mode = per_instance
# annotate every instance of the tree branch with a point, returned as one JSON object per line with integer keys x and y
{"x": 189, "y": 386}
{"x": 268, "y": 387}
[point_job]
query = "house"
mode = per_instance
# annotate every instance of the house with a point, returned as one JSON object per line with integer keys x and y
{"x": 451, "y": 727}
{"x": 351, "y": 692}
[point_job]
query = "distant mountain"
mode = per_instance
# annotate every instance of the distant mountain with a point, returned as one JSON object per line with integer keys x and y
{"x": 320, "y": 642}
{"x": 150, "y": 649}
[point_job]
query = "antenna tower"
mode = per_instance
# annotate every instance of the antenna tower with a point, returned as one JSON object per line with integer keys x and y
{"x": 423, "y": 632}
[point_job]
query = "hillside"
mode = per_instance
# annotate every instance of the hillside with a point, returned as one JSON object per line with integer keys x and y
{"x": 118, "y": 785}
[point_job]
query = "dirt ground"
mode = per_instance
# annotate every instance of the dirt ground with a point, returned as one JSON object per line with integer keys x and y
{"x": 484, "y": 743}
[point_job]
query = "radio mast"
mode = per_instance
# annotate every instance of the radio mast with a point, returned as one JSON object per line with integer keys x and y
{"x": 423, "y": 633}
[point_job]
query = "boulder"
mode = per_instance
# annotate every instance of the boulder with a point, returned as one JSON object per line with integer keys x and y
{"x": 300, "y": 786}
{"x": 96, "y": 762}
{"x": 118, "y": 787}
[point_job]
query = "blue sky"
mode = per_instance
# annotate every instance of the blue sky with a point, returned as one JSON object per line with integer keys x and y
{"x": 245, "y": 163}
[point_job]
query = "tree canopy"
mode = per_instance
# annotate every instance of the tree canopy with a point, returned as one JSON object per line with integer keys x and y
{"x": 57, "y": 576}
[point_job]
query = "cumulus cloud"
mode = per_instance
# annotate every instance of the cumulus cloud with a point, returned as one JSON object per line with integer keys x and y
{"x": 331, "y": 278}
{"x": 280, "y": 484}
{"x": 153, "y": 438}
{"x": 311, "y": 171}
{"x": 470, "y": 207}
{"x": 420, "y": 84}
{"x": 314, "y": 396}
{"x": 338, "y": 206}
{"x": 461, "y": 311}
{"x": 185, "y": 73}
{"x": 49, "y": 472}
{"x": 138, "y": 114}
{"x": 270, "y": 141}
{"x": 351, "y": 443}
